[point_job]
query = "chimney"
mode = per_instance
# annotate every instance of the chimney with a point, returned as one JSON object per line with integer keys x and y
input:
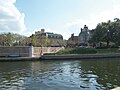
{"x": 81, "y": 29}
{"x": 42, "y": 30}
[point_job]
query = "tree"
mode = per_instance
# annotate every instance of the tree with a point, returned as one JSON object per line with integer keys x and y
{"x": 33, "y": 39}
{"x": 2, "y": 40}
{"x": 6, "y": 39}
{"x": 11, "y": 39}
{"x": 107, "y": 32}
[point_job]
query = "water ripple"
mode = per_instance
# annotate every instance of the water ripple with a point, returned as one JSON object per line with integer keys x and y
{"x": 60, "y": 75}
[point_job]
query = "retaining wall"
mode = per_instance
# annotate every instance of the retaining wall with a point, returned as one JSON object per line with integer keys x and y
{"x": 15, "y": 51}
{"x": 26, "y": 51}
{"x": 38, "y": 51}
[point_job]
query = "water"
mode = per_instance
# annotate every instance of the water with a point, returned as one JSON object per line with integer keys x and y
{"x": 60, "y": 75}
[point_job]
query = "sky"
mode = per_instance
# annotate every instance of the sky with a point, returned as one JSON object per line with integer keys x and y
{"x": 58, "y": 16}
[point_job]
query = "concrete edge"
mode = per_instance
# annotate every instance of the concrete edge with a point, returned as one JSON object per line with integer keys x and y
{"x": 79, "y": 56}
{"x": 19, "y": 59}
{"x": 63, "y": 57}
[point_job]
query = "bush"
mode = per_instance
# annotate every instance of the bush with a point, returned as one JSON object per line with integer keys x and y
{"x": 102, "y": 47}
{"x": 114, "y": 46}
{"x": 106, "y": 47}
{"x": 78, "y": 51}
{"x": 49, "y": 53}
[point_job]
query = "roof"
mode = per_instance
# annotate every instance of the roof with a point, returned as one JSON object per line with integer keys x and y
{"x": 52, "y": 35}
{"x": 84, "y": 33}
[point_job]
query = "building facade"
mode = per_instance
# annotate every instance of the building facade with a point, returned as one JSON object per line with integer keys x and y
{"x": 48, "y": 38}
{"x": 84, "y": 36}
{"x": 80, "y": 40}
{"x": 72, "y": 41}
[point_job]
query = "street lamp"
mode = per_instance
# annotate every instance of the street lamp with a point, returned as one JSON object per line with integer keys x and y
{"x": 108, "y": 37}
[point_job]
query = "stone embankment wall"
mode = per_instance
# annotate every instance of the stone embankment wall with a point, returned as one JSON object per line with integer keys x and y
{"x": 15, "y": 51}
{"x": 38, "y": 51}
{"x": 26, "y": 51}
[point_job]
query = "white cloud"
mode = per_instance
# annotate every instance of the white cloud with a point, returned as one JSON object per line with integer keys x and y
{"x": 94, "y": 19}
{"x": 11, "y": 19}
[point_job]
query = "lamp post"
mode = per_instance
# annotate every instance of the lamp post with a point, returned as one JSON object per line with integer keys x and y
{"x": 46, "y": 40}
{"x": 108, "y": 38}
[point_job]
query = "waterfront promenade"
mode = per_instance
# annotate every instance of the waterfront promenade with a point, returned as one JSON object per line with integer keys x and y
{"x": 63, "y": 57}
{"x": 80, "y": 56}
{"x": 34, "y": 53}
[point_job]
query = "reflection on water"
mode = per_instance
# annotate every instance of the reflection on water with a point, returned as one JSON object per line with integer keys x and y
{"x": 60, "y": 75}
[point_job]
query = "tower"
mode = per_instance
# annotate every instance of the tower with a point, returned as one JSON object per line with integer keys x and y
{"x": 84, "y": 36}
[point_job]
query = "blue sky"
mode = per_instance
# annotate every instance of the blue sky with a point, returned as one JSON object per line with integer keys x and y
{"x": 58, "y": 16}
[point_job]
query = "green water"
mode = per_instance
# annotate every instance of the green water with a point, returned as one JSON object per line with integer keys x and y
{"x": 60, "y": 75}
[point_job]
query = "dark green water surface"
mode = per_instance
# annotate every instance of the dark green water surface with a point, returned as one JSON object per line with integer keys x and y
{"x": 101, "y": 74}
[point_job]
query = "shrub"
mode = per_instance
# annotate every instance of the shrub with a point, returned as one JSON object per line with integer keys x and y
{"x": 106, "y": 47}
{"x": 78, "y": 51}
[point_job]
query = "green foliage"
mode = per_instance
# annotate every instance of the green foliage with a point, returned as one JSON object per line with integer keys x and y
{"x": 11, "y": 39}
{"x": 108, "y": 50}
{"x": 105, "y": 47}
{"x": 107, "y": 32}
{"x": 78, "y": 51}
{"x": 49, "y": 53}
{"x": 33, "y": 40}
{"x": 89, "y": 50}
